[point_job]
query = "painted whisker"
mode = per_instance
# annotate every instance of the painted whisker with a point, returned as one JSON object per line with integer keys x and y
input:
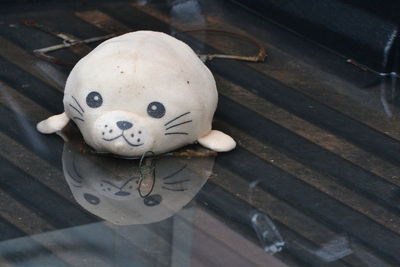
{"x": 173, "y": 189}
{"x": 180, "y": 116}
{"x": 73, "y": 177}
{"x": 76, "y": 171}
{"x": 176, "y": 125}
{"x": 177, "y": 182}
{"x": 77, "y": 118}
{"x": 77, "y": 110}
{"x": 76, "y": 101}
{"x": 176, "y": 133}
{"x": 74, "y": 174}
{"x": 175, "y": 173}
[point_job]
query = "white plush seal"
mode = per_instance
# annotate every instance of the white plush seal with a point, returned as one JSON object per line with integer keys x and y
{"x": 141, "y": 91}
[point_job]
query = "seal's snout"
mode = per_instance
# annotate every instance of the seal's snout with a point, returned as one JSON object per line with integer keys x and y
{"x": 124, "y": 125}
{"x": 124, "y": 133}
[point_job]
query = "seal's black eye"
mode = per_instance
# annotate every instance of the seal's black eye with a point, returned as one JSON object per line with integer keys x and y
{"x": 91, "y": 199}
{"x": 152, "y": 200}
{"x": 156, "y": 110}
{"x": 94, "y": 100}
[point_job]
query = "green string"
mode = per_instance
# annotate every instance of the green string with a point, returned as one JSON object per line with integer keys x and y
{"x": 145, "y": 170}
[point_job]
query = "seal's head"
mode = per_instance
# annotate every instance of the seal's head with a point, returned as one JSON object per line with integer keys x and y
{"x": 142, "y": 91}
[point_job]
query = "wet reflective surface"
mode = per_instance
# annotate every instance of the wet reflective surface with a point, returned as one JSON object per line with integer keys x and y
{"x": 314, "y": 181}
{"x": 109, "y": 187}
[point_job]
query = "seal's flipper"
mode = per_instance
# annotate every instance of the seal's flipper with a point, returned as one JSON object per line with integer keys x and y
{"x": 217, "y": 141}
{"x": 53, "y": 124}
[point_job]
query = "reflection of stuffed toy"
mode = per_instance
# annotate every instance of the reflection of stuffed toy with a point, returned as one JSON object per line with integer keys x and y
{"x": 142, "y": 91}
{"x": 108, "y": 187}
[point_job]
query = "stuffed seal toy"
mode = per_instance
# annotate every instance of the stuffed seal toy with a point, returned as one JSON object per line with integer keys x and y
{"x": 138, "y": 92}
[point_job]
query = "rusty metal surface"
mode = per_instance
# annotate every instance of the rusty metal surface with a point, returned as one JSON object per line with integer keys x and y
{"x": 318, "y": 148}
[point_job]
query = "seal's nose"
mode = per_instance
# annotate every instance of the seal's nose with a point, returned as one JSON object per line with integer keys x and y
{"x": 124, "y": 125}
